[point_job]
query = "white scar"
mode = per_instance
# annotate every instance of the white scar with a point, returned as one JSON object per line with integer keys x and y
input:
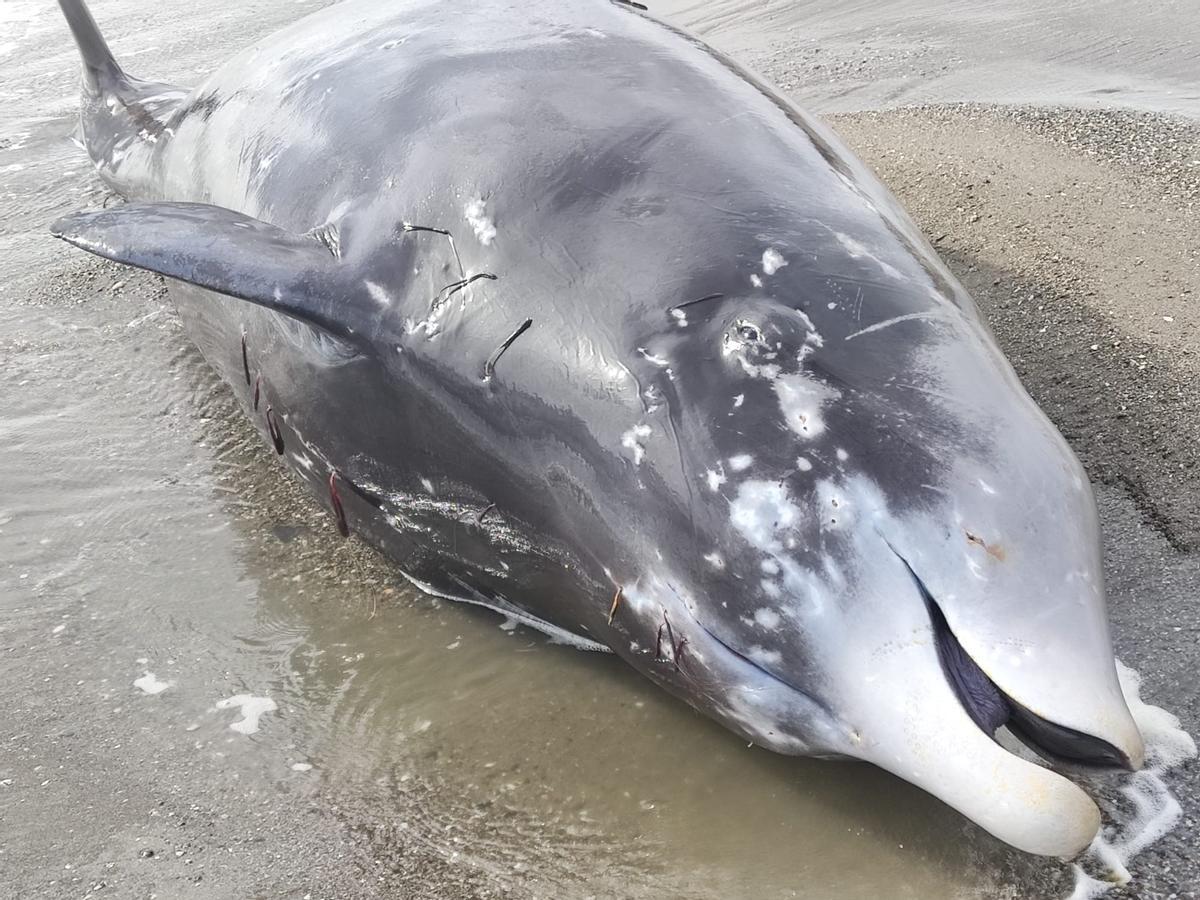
{"x": 879, "y": 326}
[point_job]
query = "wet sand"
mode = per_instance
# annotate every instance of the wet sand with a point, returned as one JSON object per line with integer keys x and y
{"x": 451, "y": 757}
{"x": 868, "y": 54}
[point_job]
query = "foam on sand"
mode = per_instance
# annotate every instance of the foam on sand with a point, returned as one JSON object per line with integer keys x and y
{"x": 1149, "y": 810}
{"x": 149, "y": 683}
{"x": 253, "y": 708}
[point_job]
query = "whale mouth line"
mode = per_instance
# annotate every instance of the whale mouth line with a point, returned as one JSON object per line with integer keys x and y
{"x": 990, "y": 708}
{"x": 759, "y": 667}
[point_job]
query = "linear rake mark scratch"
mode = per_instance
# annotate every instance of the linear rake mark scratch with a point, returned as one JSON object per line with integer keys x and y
{"x": 273, "y": 430}
{"x": 677, "y": 647}
{"x": 616, "y": 602}
{"x": 489, "y": 367}
{"x": 335, "y": 500}
{"x": 409, "y": 227}
{"x": 450, "y": 290}
{"x": 704, "y": 299}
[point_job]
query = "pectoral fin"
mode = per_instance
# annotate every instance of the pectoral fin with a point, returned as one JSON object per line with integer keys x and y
{"x": 224, "y": 251}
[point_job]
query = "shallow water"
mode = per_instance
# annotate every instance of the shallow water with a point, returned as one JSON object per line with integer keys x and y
{"x": 150, "y": 545}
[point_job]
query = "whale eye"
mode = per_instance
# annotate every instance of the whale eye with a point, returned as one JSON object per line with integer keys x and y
{"x": 746, "y": 339}
{"x": 748, "y": 332}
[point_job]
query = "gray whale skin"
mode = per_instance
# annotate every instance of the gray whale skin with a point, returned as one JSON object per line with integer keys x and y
{"x": 574, "y": 318}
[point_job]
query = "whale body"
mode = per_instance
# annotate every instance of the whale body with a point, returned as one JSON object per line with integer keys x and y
{"x": 574, "y": 318}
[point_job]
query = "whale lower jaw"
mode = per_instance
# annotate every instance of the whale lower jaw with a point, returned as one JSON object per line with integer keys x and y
{"x": 902, "y": 708}
{"x": 991, "y": 709}
{"x": 923, "y": 709}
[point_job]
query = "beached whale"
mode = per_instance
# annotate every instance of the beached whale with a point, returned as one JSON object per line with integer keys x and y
{"x": 576, "y": 319}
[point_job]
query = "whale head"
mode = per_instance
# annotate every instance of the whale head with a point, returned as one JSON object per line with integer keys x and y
{"x": 881, "y": 548}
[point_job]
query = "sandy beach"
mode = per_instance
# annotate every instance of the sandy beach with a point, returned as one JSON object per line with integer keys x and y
{"x": 419, "y": 750}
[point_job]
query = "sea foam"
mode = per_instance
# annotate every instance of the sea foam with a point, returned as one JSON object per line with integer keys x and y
{"x": 1147, "y": 810}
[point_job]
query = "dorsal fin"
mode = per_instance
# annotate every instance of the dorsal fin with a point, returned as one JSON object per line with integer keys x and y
{"x": 124, "y": 119}
{"x": 100, "y": 67}
{"x": 102, "y": 74}
{"x": 224, "y": 251}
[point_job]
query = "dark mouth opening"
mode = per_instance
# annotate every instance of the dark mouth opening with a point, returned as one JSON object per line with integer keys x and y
{"x": 990, "y": 708}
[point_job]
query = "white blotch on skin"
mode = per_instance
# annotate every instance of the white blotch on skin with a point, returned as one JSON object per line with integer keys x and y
{"x": 715, "y": 560}
{"x": 813, "y": 337}
{"x": 738, "y": 401}
{"x": 813, "y": 340}
{"x": 773, "y": 261}
{"x": 714, "y": 479}
{"x": 741, "y": 462}
{"x": 803, "y": 464}
{"x": 427, "y": 484}
{"x": 733, "y": 345}
{"x": 842, "y": 455}
{"x": 337, "y": 213}
{"x": 836, "y": 510}
{"x": 761, "y": 512}
{"x": 800, "y": 399}
{"x": 481, "y": 224}
{"x": 639, "y": 599}
{"x": 149, "y": 683}
{"x": 766, "y": 618}
{"x": 378, "y": 294}
{"x": 632, "y": 440}
{"x": 770, "y": 588}
{"x": 660, "y": 361}
{"x": 680, "y": 317}
{"x": 769, "y": 566}
{"x": 987, "y": 488}
{"x": 763, "y": 656}
{"x": 756, "y": 281}
{"x": 252, "y": 708}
